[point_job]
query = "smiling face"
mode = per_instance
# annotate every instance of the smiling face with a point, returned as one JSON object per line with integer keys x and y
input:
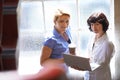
{"x": 62, "y": 23}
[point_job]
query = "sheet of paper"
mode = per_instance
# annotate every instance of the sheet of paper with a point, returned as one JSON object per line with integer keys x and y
{"x": 81, "y": 62}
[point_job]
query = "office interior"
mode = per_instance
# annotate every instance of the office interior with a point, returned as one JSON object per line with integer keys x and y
{"x": 24, "y": 23}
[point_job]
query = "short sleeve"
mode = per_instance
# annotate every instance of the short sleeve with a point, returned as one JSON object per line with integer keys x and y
{"x": 50, "y": 42}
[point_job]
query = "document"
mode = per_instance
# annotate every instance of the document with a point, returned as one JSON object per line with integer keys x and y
{"x": 81, "y": 62}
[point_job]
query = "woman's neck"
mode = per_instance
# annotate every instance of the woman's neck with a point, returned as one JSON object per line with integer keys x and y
{"x": 97, "y": 36}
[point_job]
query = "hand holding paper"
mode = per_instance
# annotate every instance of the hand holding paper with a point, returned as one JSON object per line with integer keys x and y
{"x": 79, "y": 63}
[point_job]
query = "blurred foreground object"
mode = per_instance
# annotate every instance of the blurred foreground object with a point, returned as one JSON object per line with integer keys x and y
{"x": 8, "y": 34}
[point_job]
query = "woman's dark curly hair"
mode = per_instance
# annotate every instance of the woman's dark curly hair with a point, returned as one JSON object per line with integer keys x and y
{"x": 100, "y": 18}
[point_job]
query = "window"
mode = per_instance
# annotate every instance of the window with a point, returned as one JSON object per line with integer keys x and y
{"x": 37, "y": 16}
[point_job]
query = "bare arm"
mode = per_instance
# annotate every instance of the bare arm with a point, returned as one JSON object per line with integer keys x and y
{"x": 45, "y": 57}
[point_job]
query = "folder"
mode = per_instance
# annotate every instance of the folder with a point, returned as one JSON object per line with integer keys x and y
{"x": 81, "y": 62}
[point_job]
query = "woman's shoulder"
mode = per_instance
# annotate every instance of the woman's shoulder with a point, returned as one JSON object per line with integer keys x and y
{"x": 49, "y": 41}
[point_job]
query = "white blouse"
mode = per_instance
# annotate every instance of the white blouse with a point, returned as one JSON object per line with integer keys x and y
{"x": 100, "y": 52}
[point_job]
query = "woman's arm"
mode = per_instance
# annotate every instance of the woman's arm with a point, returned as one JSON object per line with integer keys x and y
{"x": 106, "y": 54}
{"x": 45, "y": 57}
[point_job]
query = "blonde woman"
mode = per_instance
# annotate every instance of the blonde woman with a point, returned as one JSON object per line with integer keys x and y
{"x": 56, "y": 44}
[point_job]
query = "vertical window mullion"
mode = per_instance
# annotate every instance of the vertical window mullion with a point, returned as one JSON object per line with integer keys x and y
{"x": 78, "y": 13}
{"x": 43, "y": 10}
{"x": 78, "y": 29}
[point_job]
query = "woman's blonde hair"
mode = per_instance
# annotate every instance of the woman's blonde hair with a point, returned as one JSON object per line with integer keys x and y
{"x": 59, "y": 13}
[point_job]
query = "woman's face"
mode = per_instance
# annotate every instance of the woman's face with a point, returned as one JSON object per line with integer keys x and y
{"x": 97, "y": 28}
{"x": 62, "y": 23}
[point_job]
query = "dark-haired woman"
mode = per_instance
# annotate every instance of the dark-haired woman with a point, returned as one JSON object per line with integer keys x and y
{"x": 100, "y": 48}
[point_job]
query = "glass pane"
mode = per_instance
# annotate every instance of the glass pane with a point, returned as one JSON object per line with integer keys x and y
{"x": 31, "y": 26}
{"x": 68, "y": 5}
{"x": 86, "y": 8}
{"x": 31, "y": 16}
